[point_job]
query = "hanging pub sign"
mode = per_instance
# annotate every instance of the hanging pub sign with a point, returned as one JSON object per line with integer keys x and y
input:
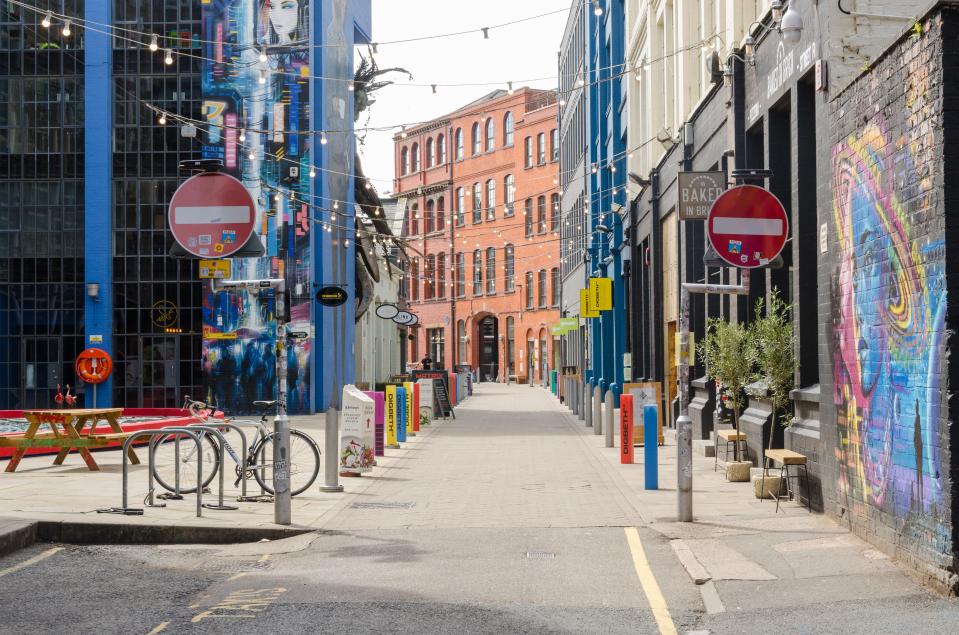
{"x": 586, "y": 310}
{"x": 601, "y": 294}
{"x": 697, "y": 193}
{"x": 332, "y": 296}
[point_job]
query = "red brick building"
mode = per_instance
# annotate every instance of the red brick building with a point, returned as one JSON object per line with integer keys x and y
{"x": 483, "y": 229}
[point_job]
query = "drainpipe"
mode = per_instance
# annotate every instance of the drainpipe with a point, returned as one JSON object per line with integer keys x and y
{"x": 450, "y": 144}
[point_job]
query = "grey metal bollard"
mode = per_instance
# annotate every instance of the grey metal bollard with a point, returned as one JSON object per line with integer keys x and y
{"x": 332, "y": 438}
{"x": 588, "y": 415}
{"x": 580, "y": 411}
{"x": 597, "y": 410}
{"x": 608, "y": 417}
{"x": 684, "y": 466}
{"x": 282, "y": 495}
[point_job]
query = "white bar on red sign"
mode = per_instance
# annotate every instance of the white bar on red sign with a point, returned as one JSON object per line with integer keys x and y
{"x": 214, "y": 214}
{"x": 748, "y": 226}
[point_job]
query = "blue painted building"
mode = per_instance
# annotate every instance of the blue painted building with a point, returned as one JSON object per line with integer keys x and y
{"x": 87, "y": 170}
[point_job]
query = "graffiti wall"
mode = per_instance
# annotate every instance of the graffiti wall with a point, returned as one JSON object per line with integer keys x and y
{"x": 255, "y": 98}
{"x": 889, "y": 301}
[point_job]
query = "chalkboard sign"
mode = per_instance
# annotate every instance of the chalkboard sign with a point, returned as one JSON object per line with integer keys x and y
{"x": 442, "y": 398}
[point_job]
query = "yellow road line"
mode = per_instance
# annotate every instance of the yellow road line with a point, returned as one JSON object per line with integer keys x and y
{"x": 264, "y": 557}
{"x": 160, "y": 628}
{"x": 657, "y": 603}
{"x": 30, "y": 561}
{"x": 236, "y": 577}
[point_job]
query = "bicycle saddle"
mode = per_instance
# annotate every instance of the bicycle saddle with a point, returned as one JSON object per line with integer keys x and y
{"x": 264, "y": 404}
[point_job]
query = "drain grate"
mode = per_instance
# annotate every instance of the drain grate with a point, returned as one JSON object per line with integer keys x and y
{"x": 540, "y": 555}
{"x": 389, "y": 505}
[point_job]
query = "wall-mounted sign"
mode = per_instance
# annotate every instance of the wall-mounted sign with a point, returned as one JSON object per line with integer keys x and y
{"x": 697, "y": 193}
{"x": 216, "y": 269}
{"x": 164, "y": 314}
{"x": 212, "y": 215}
{"x": 601, "y": 294}
{"x": 747, "y": 226}
{"x": 586, "y": 310}
{"x": 332, "y": 296}
{"x": 569, "y": 324}
{"x": 387, "y": 311}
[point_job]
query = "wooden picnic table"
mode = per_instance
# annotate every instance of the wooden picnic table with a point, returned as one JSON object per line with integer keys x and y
{"x": 67, "y": 433}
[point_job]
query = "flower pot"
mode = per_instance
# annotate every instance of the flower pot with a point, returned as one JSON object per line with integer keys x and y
{"x": 738, "y": 471}
{"x": 772, "y": 485}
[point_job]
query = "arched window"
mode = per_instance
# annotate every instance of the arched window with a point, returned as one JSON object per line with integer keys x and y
{"x": 528, "y": 213}
{"x": 477, "y": 203}
{"x": 459, "y": 144}
{"x": 461, "y": 342}
{"x": 509, "y": 194}
{"x": 429, "y": 290}
{"x": 491, "y": 271}
{"x": 554, "y": 284}
{"x": 440, "y": 150}
{"x": 509, "y": 269}
{"x": 508, "y": 129}
{"x": 541, "y": 215}
{"x": 475, "y": 139}
{"x": 491, "y": 199}
{"x": 477, "y": 272}
{"x": 414, "y": 223}
{"x": 490, "y": 135}
{"x": 415, "y": 159}
{"x": 441, "y": 213}
{"x": 541, "y": 148}
{"x": 542, "y": 287}
{"x": 428, "y": 222}
{"x": 460, "y": 207}
{"x": 429, "y": 153}
{"x": 405, "y": 161}
{"x": 441, "y": 275}
{"x": 529, "y": 289}
{"x": 414, "y": 280}
{"x": 554, "y": 213}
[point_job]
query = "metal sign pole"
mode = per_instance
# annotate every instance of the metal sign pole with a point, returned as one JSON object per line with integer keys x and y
{"x": 684, "y": 425}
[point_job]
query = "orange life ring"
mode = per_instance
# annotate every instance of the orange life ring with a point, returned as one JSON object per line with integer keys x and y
{"x": 94, "y": 365}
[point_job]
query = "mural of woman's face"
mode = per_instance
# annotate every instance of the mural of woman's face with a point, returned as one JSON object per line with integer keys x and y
{"x": 285, "y": 18}
{"x": 870, "y": 255}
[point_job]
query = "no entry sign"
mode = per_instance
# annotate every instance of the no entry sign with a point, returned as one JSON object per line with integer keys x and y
{"x": 747, "y": 226}
{"x": 211, "y": 215}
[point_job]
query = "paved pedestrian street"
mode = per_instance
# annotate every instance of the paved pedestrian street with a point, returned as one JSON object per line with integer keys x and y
{"x": 512, "y": 518}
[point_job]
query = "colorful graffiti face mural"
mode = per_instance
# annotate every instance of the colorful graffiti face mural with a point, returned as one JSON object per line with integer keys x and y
{"x": 255, "y": 97}
{"x": 889, "y": 307}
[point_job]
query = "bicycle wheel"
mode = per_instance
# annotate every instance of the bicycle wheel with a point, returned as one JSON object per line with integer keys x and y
{"x": 304, "y": 462}
{"x": 164, "y": 468}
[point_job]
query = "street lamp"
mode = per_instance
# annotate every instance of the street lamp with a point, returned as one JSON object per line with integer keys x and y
{"x": 789, "y": 25}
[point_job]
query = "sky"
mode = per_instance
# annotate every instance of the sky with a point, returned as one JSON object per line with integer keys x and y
{"x": 512, "y": 53}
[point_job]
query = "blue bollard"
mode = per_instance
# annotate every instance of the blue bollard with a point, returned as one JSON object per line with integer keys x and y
{"x": 651, "y": 446}
{"x": 401, "y": 415}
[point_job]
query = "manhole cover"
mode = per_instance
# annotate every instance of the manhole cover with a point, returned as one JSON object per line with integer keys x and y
{"x": 540, "y": 555}
{"x": 391, "y": 505}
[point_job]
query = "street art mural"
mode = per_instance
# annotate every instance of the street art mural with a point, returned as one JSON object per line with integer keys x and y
{"x": 255, "y": 97}
{"x": 889, "y": 304}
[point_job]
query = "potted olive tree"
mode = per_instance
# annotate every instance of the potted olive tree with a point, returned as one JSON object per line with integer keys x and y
{"x": 727, "y": 353}
{"x": 774, "y": 359}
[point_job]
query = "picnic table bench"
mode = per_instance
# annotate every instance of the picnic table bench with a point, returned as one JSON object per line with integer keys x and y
{"x": 67, "y": 433}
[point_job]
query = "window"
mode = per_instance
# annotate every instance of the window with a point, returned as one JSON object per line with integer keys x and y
{"x": 554, "y": 286}
{"x": 414, "y": 280}
{"x": 414, "y": 220}
{"x": 441, "y": 150}
{"x": 429, "y": 153}
{"x": 528, "y": 213}
{"x": 541, "y": 148}
{"x": 529, "y": 289}
{"x": 429, "y": 272}
{"x": 477, "y": 142}
{"x": 415, "y": 159}
{"x": 441, "y": 213}
{"x": 491, "y": 271}
{"x": 510, "y": 344}
{"x": 509, "y": 283}
{"x": 428, "y": 222}
{"x": 509, "y": 187}
{"x": 460, "y": 275}
{"x": 459, "y": 144}
{"x": 460, "y": 207}
{"x": 542, "y": 287}
{"x": 490, "y": 135}
{"x": 541, "y": 215}
{"x": 554, "y": 213}
{"x": 461, "y": 340}
{"x": 529, "y": 152}
{"x": 477, "y": 272}
{"x": 441, "y": 276}
{"x": 435, "y": 339}
{"x": 490, "y": 199}
{"x": 405, "y": 161}
{"x": 477, "y": 203}
{"x": 554, "y": 145}
{"x": 508, "y": 129}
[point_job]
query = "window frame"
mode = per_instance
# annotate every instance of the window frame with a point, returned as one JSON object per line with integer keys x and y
{"x": 475, "y": 141}
{"x": 509, "y": 195}
{"x": 477, "y": 272}
{"x": 491, "y": 271}
{"x": 509, "y": 268}
{"x": 490, "y": 140}
{"x": 491, "y": 199}
{"x": 508, "y": 129}
{"x": 459, "y": 142}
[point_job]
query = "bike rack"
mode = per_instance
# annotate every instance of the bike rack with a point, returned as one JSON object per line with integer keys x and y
{"x": 251, "y": 424}
{"x": 212, "y": 430}
{"x": 243, "y": 442}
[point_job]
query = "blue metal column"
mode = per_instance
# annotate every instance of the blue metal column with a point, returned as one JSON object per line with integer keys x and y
{"x": 618, "y": 196}
{"x": 98, "y": 200}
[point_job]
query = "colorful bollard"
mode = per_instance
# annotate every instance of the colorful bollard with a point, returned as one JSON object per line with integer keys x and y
{"x": 651, "y": 445}
{"x": 626, "y": 456}
{"x": 379, "y": 402}
{"x": 401, "y": 414}
{"x": 416, "y": 407}
{"x": 410, "y": 429}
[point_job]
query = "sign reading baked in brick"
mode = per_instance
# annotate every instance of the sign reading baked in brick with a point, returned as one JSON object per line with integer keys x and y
{"x": 697, "y": 193}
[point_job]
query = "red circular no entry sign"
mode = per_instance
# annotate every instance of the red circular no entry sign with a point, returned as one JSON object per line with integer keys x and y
{"x": 211, "y": 215}
{"x": 747, "y": 226}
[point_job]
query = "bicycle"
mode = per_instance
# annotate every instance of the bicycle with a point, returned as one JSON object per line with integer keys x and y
{"x": 304, "y": 462}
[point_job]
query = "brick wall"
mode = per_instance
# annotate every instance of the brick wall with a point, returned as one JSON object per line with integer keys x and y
{"x": 886, "y": 386}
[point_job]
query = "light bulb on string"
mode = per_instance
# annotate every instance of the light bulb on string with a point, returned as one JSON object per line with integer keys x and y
{"x": 154, "y": 45}
{"x": 168, "y": 59}
{"x": 312, "y": 173}
{"x": 263, "y": 57}
{"x": 162, "y": 119}
{"x": 66, "y": 28}
{"x": 242, "y": 136}
{"x": 262, "y": 78}
{"x": 47, "y": 20}
{"x": 323, "y": 138}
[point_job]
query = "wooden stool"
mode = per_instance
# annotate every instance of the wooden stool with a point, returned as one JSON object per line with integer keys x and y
{"x": 786, "y": 458}
{"x": 730, "y": 437}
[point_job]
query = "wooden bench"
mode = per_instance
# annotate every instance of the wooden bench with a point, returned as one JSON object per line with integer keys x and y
{"x": 729, "y": 437}
{"x": 786, "y": 458}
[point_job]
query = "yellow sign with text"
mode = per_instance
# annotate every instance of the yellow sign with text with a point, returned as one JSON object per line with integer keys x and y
{"x": 585, "y": 309}
{"x": 601, "y": 294}
{"x": 391, "y": 417}
{"x": 690, "y": 354}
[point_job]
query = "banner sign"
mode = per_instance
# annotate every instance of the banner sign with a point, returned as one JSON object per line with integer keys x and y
{"x": 379, "y": 403}
{"x": 401, "y": 414}
{"x": 416, "y": 406}
{"x": 427, "y": 402}
{"x": 391, "y": 417}
{"x": 697, "y": 193}
{"x": 586, "y": 310}
{"x": 601, "y": 294}
{"x": 356, "y": 431}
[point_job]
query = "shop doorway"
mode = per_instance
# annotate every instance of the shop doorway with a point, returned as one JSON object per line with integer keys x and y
{"x": 42, "y": 371}
{"x": 489, "y": 349}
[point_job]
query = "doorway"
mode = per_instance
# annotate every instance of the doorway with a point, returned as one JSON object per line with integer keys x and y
{"x": 671, "y": 374}
{"x": 489, "y": 349}
{"x": 159, "y": 372}
{"x": 42, "y": 371}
